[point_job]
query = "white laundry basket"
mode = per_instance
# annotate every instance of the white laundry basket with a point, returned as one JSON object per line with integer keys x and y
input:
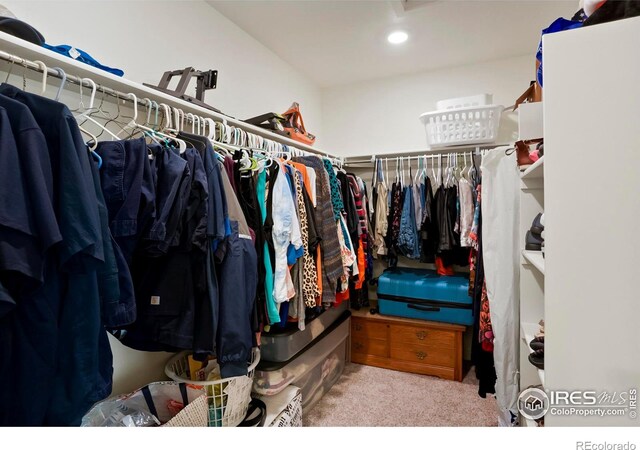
{"x": 228, "y": 398}
{"x": 463, "y": 126}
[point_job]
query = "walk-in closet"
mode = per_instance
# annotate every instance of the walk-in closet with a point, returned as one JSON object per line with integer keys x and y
{"x": 401, "y": 214}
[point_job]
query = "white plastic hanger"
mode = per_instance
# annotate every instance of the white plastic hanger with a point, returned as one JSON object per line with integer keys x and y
{"x": 193, "y": 122}
{"x": 212, "y": 128}
{"x": 43, "y": 67}
{"x": 418, "y": 170}
{"x": 63, "y": 76}
{"x": 182, "y": 145}
{"x": 386, "y": 173}
{"x": 166, "y": 111}
{"x": 176, "y": 120}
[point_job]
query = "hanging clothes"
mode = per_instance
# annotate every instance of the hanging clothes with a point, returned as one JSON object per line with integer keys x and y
{"x": 286, "y": 229}
{"x": 429, "y": 232}
{"x": 408, "y": 235}
{"x": 59, "y": 346}
{"x": 330, "y": 264}
{"x": 467, "y": 211}
{"x": 394, "y": 219}
{"x": 265, "y": 202}
{"x": 481, "y": 356}
{"x": 381, "y": 214}
{"x": 167, "y": 249}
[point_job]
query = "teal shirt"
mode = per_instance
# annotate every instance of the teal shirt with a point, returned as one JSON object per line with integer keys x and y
{"x": 272, "y": 308}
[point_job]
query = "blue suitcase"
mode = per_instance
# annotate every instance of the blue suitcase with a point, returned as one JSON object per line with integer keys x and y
{"x": 423, "y": 294}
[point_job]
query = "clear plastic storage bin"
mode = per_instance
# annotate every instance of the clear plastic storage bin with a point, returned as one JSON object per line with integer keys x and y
{"x": 314, "y": 370}
{"x": 284, "y": 345}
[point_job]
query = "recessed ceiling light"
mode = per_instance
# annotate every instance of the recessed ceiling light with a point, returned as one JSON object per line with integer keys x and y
{"x": 397, "y": 37}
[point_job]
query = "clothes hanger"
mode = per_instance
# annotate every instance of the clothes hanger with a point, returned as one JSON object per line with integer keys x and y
{"x": 386, "y": 173}
{"x": 157, "y": 107}
{"x": 147, "y": 123}
{"x": 63, "y": 78}
{"x": 45, "y": 73}
{"x": 426, "y": 167}
{"x": 86, "y": 113}
{"x": 149, "y": 109}
{"x": 166, "y": 116}
{"x": 434, "y": 174}
{"x": 182, "y": 145}
{"x": 190, "y": 118}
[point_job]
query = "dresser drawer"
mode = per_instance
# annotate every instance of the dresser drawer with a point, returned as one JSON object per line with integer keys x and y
{"x": 368, "y": 329}
{"x": 425, "y": 354}
{"x": 404, "y": 334}
{"x": 375, "y": 347}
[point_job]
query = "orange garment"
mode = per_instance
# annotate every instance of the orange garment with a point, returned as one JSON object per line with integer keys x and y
{"x": 361, "y": 268}
{"x": 305, "y": 176}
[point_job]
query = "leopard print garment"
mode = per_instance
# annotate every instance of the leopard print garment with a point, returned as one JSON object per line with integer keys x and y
{"x": 310, "y": 289}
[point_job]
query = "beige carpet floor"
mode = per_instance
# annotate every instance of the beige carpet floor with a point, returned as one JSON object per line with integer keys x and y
{"x": 369, "y": 396}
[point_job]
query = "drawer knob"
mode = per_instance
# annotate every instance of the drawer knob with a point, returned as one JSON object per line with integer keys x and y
{"x": 358, "y": 327}
{"x": 421, "y": 355}
{"x": 421, "y": 335}
{"x": 358, "y": 345}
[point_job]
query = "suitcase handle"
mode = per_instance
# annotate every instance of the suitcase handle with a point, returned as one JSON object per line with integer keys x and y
{"x": 423, "y": 308}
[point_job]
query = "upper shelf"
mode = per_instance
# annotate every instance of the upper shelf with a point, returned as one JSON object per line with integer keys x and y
{"x": 536, "y": 170}
{"x": 23, "y": 49}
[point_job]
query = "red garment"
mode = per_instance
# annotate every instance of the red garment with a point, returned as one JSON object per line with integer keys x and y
{"x": 341, "y": 297}
{"x": 486, "y": 329}
{"x": 442, "y": 269}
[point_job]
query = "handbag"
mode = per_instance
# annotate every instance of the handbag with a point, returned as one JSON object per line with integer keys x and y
{"x": 294, "y": 125}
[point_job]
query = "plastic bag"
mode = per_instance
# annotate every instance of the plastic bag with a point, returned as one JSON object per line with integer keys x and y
{"x": 116, "y": 413}
{"x": 153, "y": 405}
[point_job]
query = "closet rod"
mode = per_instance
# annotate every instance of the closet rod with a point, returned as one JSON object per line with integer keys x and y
{"x": 52, "y": 60}
{"x": 431, "y": 154}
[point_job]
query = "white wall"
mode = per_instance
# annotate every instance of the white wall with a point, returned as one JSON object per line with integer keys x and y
{"x": 147, "y": 38}
{"x": 381, "y": 116}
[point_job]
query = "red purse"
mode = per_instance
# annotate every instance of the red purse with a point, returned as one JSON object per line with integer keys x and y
{"x": 294, "y": 125}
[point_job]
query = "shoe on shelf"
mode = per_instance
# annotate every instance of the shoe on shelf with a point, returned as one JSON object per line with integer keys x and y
{"x": 537, "y": 359}
{"x": 537, "y": 226}
{"x": 533, "y": 242}
{"x": 537, "y": 343}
